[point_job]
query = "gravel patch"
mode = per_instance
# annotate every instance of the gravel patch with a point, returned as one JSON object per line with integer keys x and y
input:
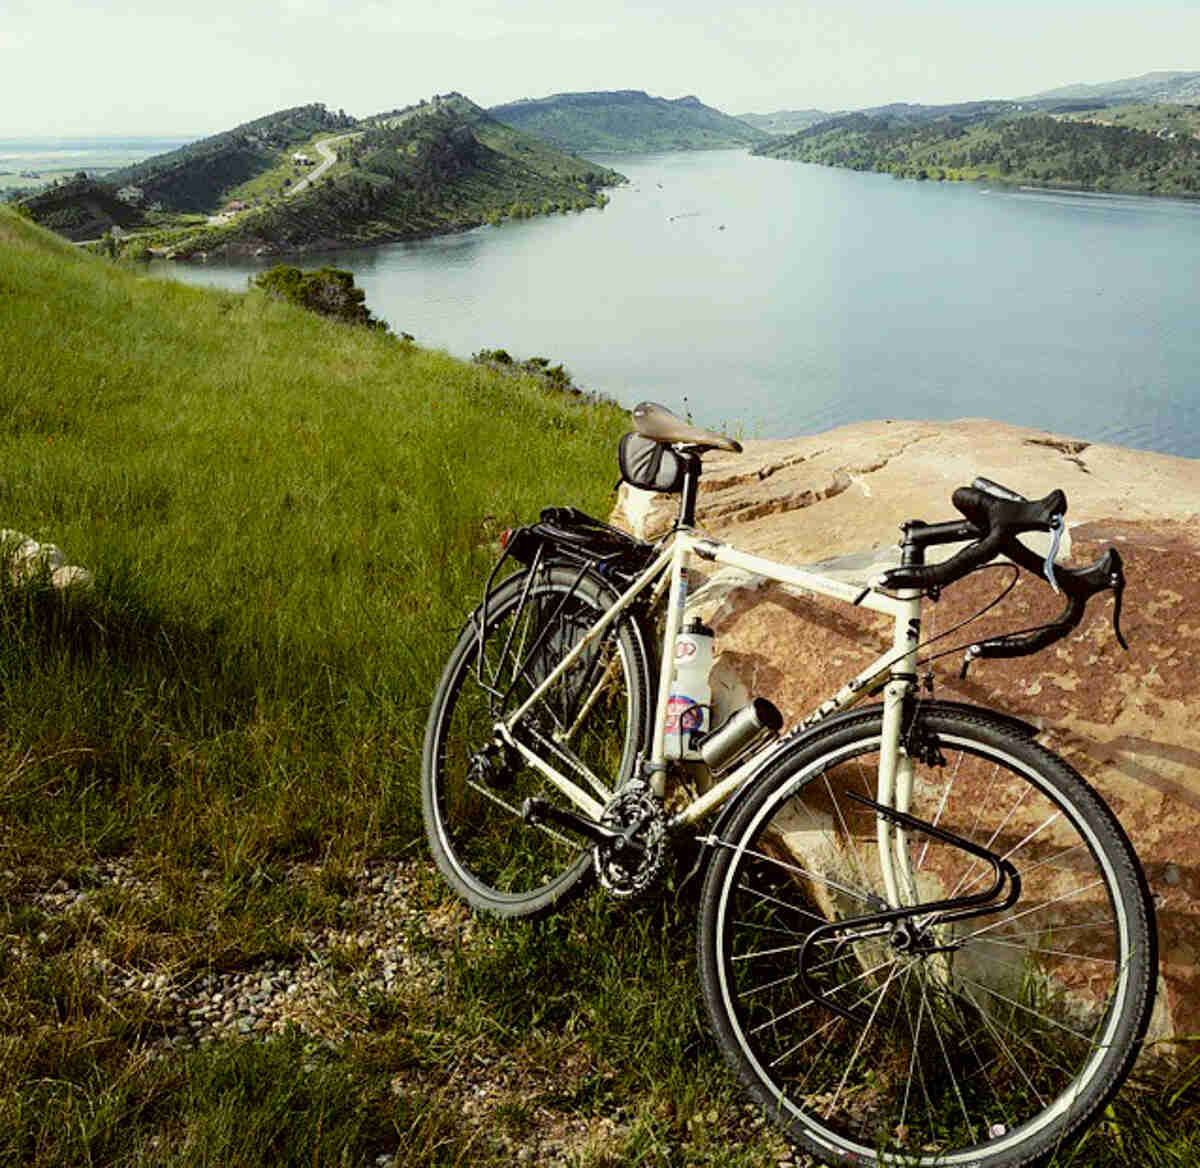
{"x": 397, "y": 940}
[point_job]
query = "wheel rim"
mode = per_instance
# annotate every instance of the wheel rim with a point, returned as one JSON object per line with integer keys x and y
{"x": 586, "y": 725}
{"x": 954, "y": 1055}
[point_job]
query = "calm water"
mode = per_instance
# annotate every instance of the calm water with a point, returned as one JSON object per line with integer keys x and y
{"x": 788, "y": 298}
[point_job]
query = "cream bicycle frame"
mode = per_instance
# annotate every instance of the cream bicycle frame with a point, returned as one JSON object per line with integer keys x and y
{"x": 895, "y": 777}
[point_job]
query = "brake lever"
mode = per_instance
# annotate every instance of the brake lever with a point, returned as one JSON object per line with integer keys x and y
{"x": 1057, "y": 526}
{"x": 1117, "y": 581}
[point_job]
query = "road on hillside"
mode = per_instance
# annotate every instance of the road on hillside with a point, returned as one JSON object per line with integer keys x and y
{"x": 330, "y": 157}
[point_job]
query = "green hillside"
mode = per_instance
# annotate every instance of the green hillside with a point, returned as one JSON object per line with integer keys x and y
{"x": 202, "y": 175}
{"x": 287, "y": 519}
{"x": 82, "y": 209}
{"x": 1139, "y": 150}
{"x": 626, "y": 121}
{"x": 437, "y": 167}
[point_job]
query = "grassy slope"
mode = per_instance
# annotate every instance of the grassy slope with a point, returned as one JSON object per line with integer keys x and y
{"x": 287, "y": 519}
{"x": 287, "y": 495}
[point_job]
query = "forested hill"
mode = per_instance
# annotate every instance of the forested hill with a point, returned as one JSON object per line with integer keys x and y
{"x": 440, "y": 166}
{"x": 626, "y": 120}
{"x": 197, "y": 176}
{"x": 82, "y": 209}
{"x": 1134, "y": 149}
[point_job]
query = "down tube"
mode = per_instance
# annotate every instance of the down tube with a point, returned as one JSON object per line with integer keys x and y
{"x": 895, "y": 765}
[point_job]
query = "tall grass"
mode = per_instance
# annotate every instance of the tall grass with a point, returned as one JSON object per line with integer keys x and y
{"x": 287, "y": 519}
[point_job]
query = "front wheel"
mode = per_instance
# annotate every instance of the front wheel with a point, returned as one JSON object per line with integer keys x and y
{"x": 588, "y": 724}
{"x": 985, "y": 1041}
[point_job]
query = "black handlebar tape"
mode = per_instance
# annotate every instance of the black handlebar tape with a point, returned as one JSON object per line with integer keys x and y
{"x": 964, "y": 561}
{"x": 1079, "y": 585}
{"x": 1000, "y": 518}
{"x": 1082, "y": 583}
{"x": 1023, "y": 644}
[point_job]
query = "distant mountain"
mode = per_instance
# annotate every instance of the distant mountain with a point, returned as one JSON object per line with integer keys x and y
{"x": 626, "y": 120}
{"x": 1164, "y": 86}
{"x": 785, "y": 121}
{"x": 197, "y": 176}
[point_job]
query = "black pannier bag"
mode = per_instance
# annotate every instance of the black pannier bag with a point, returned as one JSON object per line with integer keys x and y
{"x": 649, "y": 465}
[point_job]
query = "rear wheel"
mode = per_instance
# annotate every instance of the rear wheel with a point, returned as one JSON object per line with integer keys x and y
{"x": 980, "y": 1041}
{"x": 589, "y": 725}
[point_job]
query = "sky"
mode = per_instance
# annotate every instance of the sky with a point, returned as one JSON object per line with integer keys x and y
{"x": 131, "y": 67}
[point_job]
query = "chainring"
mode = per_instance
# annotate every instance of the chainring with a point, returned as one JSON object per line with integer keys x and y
{"x": 631, "y": 870}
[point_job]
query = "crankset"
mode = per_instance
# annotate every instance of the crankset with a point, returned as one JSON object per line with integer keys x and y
{"x": 905, "y": 934}
{"x": 628, "y": 841}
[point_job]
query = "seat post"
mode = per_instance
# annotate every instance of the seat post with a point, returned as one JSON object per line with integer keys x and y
{"x": 691, "y": 486}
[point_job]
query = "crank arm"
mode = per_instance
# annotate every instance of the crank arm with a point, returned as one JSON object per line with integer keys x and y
{"x": 537, "y": 811}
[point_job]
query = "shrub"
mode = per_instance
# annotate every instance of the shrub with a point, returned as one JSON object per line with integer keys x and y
{"x": 329, "y": 291}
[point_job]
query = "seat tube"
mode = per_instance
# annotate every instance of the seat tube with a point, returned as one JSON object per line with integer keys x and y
{"x": 676, "y": 600}
{"x": 675, "y": 606}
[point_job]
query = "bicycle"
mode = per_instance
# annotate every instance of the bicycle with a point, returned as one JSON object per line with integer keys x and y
{"x": 924, "y": 939}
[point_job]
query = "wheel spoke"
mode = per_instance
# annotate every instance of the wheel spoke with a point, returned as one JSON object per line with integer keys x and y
{"x": 974, "y": 1039}
{"x": 473, "y": 786}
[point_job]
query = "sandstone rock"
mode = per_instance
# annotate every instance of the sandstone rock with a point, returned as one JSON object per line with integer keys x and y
{"x": 1127, "y": 722}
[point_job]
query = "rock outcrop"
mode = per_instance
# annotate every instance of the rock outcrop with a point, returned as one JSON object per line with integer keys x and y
{"x": 27, "y": 561}
{"x": 1127, "y": 721}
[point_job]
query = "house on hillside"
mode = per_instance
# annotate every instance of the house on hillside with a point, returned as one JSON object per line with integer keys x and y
{"x": 131, "y": 195}
{"x": 302, "y": 160}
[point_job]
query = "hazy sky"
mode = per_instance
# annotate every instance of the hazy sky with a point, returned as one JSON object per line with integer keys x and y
{"x": 133, "y": 67}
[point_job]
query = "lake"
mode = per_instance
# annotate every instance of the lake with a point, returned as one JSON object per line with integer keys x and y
{"x": 780, "y": 298}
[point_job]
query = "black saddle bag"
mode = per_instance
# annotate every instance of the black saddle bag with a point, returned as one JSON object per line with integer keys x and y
{"x": 649, "y": 465}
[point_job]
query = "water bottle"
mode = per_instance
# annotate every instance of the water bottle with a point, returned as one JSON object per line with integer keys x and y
{"x": 690, "y": 700}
